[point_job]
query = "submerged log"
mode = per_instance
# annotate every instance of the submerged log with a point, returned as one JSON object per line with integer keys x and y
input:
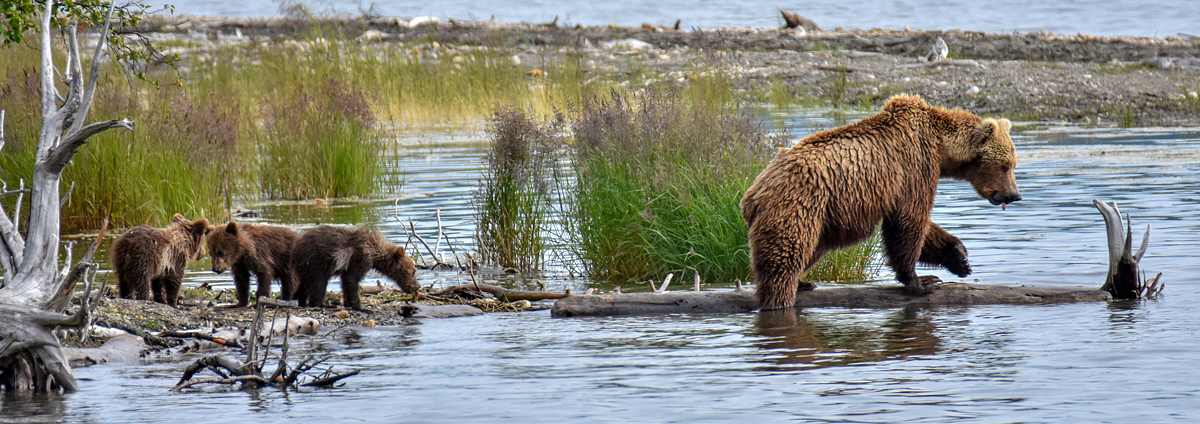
{"x": 851, "y": 297}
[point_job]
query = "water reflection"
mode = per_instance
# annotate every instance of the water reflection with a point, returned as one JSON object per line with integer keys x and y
{"x": 17, "y": 406}
{"x": 802, "y": 339}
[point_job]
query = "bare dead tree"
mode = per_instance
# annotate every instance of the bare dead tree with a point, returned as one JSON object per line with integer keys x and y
{"x": 35, "y": 291}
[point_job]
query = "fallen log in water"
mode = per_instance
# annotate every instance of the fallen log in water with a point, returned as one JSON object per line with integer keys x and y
{"x": 850, "y": 297}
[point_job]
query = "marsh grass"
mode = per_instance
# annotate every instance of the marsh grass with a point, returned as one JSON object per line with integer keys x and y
{"x": 173, "y": 162}
{"x": 512, "y": 205}
{"x": 660, "y": 181}
{"x": 318, "y": 142}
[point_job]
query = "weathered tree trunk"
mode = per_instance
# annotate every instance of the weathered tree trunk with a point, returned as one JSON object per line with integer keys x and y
{"x": 852, "y": 297}
{"x": 35, "y": 291}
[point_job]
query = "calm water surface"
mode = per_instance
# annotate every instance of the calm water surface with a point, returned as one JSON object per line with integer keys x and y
{"x": 1098, "y": 17}
{"x": 1096, "y": 362}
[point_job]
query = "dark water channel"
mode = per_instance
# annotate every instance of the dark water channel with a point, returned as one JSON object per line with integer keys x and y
{"x": 1095, "y": 362}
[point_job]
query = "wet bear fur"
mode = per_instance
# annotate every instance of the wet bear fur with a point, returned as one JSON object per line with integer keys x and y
{"x": 264, "y": 250}
{"x": 350, "y": 253}
{"x": 832, "y": 188}
{"x": 150, "y": 260}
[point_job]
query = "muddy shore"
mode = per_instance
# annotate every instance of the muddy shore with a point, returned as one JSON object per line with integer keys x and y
{"x": 1126, "y": 81}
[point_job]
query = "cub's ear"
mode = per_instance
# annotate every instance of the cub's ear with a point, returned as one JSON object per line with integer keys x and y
{"x": 201, "y": 226}
{"x": 178, "y": 218}
{"x": 231, "y": 228}
{"x": 398, "y": 251}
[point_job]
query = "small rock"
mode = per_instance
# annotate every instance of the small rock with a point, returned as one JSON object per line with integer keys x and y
{"x": 972, "y": 91}
{"x": 343, "y": 314}
{"x": 368, "y": 323}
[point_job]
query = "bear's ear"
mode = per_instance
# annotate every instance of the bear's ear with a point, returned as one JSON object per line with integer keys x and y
{"x": 1005, "y": 124}
{"x": 398, "y": 252}
{"x": 231, "y": 228}
{"x": 178, "y": 218}
{"x": 984, "y": 131}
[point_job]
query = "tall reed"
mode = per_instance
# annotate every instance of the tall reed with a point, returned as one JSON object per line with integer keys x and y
{"x": 512, "y": 204}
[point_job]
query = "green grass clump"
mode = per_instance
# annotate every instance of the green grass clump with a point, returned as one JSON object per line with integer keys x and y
{"x": 660, "y": 181}
{"x": 512, "y": 204}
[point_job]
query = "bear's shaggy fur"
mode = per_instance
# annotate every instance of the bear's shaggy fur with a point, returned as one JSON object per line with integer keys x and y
{"x": 349, "y": 252}
{"x": 152, "y": 260}
{"x": 264, "y": 250}
{"x": 831, "y": 189}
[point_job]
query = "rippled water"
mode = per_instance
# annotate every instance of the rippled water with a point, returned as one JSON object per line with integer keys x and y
{"x": 1094, "y": 362}
{"x": 1098, "y": 17}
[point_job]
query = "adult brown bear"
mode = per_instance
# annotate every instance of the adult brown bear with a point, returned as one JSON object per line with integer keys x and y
{"x": 832, "y": 188}
{"x": 153, "y": 260}
{"x": 350, "y": 253}
{"x": 265, "y": 250}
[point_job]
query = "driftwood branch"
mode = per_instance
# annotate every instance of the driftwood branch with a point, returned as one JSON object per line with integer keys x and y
{"x": 330, "y": 380}
{"x": 842, "y": 68}
{"x": 944, "y": 62}
{"x": 503, "y": 294}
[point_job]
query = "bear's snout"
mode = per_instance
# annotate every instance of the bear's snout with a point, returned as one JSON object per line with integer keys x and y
{"x": 1004, "y": 198}
{"x": 217, "y": 270}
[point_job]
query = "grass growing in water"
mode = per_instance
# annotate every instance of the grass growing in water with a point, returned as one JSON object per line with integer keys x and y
{"x": 511, "y": 206}
{"x": 659, "y": 185}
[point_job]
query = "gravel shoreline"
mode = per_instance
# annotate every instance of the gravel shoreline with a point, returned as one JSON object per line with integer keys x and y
{"x": 1126, "y": 81}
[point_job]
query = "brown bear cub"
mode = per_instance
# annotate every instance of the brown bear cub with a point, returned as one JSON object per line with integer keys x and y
{"x": 832, "y": 188}
{"x": 152, "y": 260}
{"x": 265, "y": 250}
{"x": 348, "y": 252}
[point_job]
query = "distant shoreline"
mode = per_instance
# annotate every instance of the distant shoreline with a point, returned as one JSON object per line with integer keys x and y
{"x": 1128, "y": 81}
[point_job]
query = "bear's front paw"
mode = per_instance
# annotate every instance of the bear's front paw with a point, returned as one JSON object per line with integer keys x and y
{"x": 956, "y": 260}
{"x": 925, "y": 285}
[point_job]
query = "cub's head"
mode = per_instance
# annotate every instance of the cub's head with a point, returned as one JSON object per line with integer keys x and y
{"x": 983, "y": 155}
{"x": 397, "y": 266}
{"x": 194, "y": 233}
{"x": 226, "y": 245}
